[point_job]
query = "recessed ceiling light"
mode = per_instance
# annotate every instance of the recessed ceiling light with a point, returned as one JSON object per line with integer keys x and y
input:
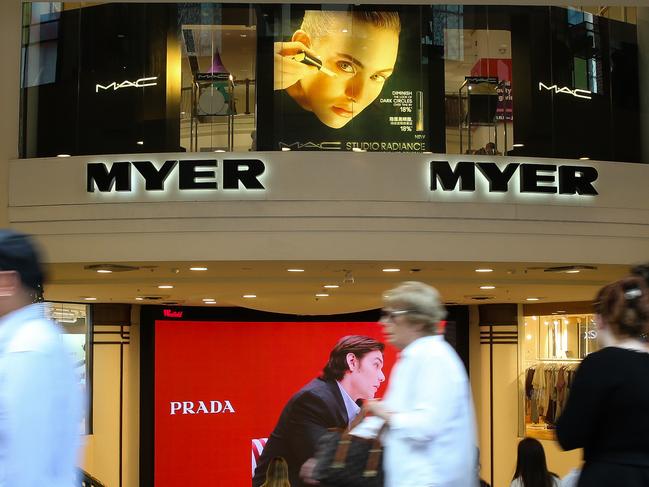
{"x": 391, "y": 270}
{"x": 484, "y": 270}
{"x": 295, "y": 270}
{"x": 140, "y": 142}
{"x": 104, "y": 271}
{"x": 208, "y": 299}
{"x": 63, "y": 155}
{"x": 573, "y": 271}
{"x": 219, "y": 150}
{"x": 487, "y": 287}
{"x": 249, "y": 296}
{"x": 322, "y": 295}
{"x": 286, "y": 149}
{"x": 532, "y": 299}
{"x": 518, "y": 145}
{"x": 331, "y": 286}
{"x": 90, "y": 299}
{"x": 139, "y": 298}
{"x": 198, "y": 268}
{"x": 584, "y": 158}
{"x": 210, "y": 302}
{"x": 165, "y": 286}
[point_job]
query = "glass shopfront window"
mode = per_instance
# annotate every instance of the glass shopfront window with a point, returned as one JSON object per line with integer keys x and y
{"x": 210, "y": 77}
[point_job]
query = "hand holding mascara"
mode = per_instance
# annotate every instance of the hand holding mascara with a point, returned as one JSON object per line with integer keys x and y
{"x": 293, "y": 61}
{"x": 305, "y": 58}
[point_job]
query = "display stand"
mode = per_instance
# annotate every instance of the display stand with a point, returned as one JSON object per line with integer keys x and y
{"x": 212, "y": 99}
{"x": 477, "y": 108}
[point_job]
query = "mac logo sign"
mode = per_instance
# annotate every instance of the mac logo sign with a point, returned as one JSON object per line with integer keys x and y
{"x": 577, "y": 93}
{"x": 140, "y": 83}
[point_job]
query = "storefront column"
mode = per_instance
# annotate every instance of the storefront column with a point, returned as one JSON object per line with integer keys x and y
{"x": 10, "y": 22}
{"x": 643, "y": 68}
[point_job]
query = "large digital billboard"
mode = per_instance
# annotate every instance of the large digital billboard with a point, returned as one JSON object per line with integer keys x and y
{"x": 220, "y": 386}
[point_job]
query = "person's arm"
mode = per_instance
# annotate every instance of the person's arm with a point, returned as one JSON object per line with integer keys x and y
{"x": 30, "y": 417}
{"x": 439, "y": 394}
{"x": 582, "y": 409}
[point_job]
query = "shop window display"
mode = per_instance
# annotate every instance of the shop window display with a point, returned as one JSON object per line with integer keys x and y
{"x": 551, "y": 347}
{"x": 125, "y": 78}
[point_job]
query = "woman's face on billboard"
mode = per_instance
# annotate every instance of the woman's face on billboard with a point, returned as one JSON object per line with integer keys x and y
{"x": 362, "y": 57}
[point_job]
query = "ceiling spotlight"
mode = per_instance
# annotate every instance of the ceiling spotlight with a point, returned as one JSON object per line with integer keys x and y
{"x": 165, "y": 286}
{"x": 63, "y": 155}
{"x": 391, "y": 270}
{"x": 198, "y": 268}
{"x": 140, "y": 142}
{"x": 208, "y": 299}
{"x": 518, "y": 145}
{"x": 249, "y": 296}
{"x": 487, "y": 287}
{"x": 573, "y": 271}
{"x": 209, "y": 302}
{"x": 532, "y": 299}
{"x": 321, "y": 295}
{"x": 584, "y": 158}
{"x": 104, "y": 271}
{"x": 295, "y": 270}
{"x": 331, "y": 286}
{"x": 484, "y": 270}
{"x": 286, "y": 149}
{"x": 139, "y": 298}
{"x": 219, "y": 150}
{"x": 90, "y": 299}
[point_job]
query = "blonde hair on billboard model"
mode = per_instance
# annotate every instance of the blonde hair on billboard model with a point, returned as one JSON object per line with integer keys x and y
{"x": 320, "y": 23}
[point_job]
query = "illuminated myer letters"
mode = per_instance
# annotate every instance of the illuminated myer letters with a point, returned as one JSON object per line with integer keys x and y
{"x": 576, "y": 92}
{"x": 118, "y": 177}
{"x": 140, "y": 83}
{"x": 534, "y": 178}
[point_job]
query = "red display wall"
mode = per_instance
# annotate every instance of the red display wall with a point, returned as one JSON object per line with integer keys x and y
{"x": 244, "y": 373}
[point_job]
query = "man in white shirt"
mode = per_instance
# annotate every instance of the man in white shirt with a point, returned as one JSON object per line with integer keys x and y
{"x": 40, "y": 398}
{"x": 430, "y": 438}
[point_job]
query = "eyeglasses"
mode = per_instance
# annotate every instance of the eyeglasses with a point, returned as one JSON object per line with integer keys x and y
{"x": 390, "y": 314}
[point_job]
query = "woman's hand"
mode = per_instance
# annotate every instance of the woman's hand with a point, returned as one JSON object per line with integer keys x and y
{"x": 288, "y": 71}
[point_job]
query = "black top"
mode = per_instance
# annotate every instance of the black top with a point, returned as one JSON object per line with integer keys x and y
{"x": 607, "y": 412}
{"x": 308, "y": 415}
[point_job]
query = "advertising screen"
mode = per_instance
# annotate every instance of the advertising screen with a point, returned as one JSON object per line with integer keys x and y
{"x": 350, "y": 79}
{"x": 219, "y": 389}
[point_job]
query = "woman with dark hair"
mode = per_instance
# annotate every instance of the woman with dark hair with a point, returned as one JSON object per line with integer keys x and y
{"x": 277, "y": 473}
{"x": 531, "y": 467}
{"x": 607, "y": 413}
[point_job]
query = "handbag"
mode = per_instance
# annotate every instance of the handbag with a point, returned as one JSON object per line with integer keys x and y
{"x": 344, "y": 460}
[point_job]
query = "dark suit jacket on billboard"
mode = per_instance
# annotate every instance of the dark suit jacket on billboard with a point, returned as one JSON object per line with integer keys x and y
{"x": 308, "y": 415}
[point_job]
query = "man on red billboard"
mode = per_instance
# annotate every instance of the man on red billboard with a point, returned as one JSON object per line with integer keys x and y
{"x": 353, "y": 372}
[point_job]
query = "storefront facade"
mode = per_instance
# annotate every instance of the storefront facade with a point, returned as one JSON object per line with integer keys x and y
{"x": 409, "y": 180}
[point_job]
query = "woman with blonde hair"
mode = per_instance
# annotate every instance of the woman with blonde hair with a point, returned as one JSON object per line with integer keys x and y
{"x": 277, "y": 473}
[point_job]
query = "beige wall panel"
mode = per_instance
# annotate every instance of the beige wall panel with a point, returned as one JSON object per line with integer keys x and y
{"x": 105, "y": 449}
{"x": 10, "y": 26}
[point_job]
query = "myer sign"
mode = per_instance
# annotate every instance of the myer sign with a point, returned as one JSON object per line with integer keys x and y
{"x": 192, "y": 174}
{"x": 534, "y": 178}
{"x": 246, "y": 174}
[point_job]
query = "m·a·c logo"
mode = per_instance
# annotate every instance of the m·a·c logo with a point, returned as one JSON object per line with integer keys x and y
{"x": 139, "y": 83}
